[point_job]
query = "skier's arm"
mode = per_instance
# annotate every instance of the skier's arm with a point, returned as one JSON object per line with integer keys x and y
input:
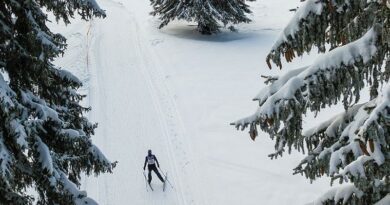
{"x": 156, "y": 161}
{"x": 146, "y": 160}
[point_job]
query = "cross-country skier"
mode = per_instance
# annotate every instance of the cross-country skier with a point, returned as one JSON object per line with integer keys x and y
{"x": 151, "y": 160}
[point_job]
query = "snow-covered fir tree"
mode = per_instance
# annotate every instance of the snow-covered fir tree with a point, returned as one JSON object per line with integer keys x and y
{"x": 352, "y": 147}
{"x": 45, "y": 139}
{"x": 210, "y": 15}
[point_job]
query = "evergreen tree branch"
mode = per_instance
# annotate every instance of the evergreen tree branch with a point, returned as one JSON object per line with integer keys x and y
{"x": 326, "y": 22}
{"x": 45, "y": 139}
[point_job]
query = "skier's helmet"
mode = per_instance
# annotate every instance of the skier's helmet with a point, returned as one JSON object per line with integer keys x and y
{"x": 149, "y": 152}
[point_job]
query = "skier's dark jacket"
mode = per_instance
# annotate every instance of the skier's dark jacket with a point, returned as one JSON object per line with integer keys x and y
{"x": 151, "y": 158}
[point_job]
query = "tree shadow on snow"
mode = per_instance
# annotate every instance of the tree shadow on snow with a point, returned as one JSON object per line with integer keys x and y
{"x": 190, "y": 32}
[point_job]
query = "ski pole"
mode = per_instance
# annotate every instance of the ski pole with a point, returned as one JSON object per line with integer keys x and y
{"x": 146, "y": 183}
{"x": 165, "y": 177}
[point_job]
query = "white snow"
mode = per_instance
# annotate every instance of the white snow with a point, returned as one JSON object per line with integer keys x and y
{"x": 6, "y": 95}
{"x": 339, "y": 150}
{"x": 342, "y": 192}
{"x": 382, "y": 102}
{"x": 98, "y": 154}
{"x": 80, "y": 197}
{"x": 93, "y": 4}
{"x": 18, "y": 130}
{"x": 44, "y": 155}
{"x": 266, "y": 92}
{"x": 71, "y": 133}
{"x": 175, "y": 91}
{"x": 363, "y": 48}
{"x": 42, "y": 36}
{"x": 354, "y": 131}
{"x": 314, "y": 7}
{"x": 334, "y": 124}
{"x": 43, "y": 111}
{"x": 64, "y": 74}
{"x": 356, "y": 167}
{"x": 5, "y": 160}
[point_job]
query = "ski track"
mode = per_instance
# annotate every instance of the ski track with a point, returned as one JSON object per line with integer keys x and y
{"x": 132, "y": 73}
{"x": 135, "y": 111}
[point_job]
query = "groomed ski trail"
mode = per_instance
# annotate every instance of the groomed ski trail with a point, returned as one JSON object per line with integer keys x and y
{"x": 136, "y": 112}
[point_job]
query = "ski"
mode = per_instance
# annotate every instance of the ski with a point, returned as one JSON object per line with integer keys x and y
{"x": 150, "y": 186}
{"x": 165, "y": 182}
{"x": 147, "y": 184}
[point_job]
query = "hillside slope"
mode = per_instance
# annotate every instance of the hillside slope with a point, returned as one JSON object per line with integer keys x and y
{"x": 175, "y": 92}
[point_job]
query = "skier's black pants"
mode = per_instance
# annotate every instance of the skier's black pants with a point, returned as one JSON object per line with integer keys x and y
{"x": 154, "y": 168}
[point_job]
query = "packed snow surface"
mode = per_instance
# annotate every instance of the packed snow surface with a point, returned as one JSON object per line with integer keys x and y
{"x": 175, "y": 91}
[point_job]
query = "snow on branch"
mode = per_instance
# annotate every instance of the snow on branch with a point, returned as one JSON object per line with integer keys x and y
{"x": 382, "y": 109}
{"x": 43, "y": 111}
{"x": 44, "y": 156}
{"x": 68, "y": 76}
{"x": 355, "y": 168}
{"x": 335, "y": 138}
{"x": 276, "y": 85}
{"x": 17, "y": 130}
{"x": 44, "y": 131}
{"x": 359, "y": 154}
{"x": 342, "y": 193}
{"x": 71, "y": 134}
{"x": 91, "y": 4}
{"x": 352, "y": 145}
{"x": 45, "y": 37}
{"x": 299, "y": 88}
{"x": 101, "y": 159}
{"x": 347, "y": 127}
{"x": 78, "y": 197}
{"x": 335, "y": 23}
{"x": 6, "y": 95}
{"x": 86, "y": 9}
{"x": 310, "y": 7}
{"x": 209, "y": 14}
{"x": 354, "y": 131}
{"x": 334, "y": 126}
{"x": 6, "y": 160}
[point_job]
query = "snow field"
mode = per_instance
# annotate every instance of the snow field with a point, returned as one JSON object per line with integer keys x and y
{"x": 175, "y": 91}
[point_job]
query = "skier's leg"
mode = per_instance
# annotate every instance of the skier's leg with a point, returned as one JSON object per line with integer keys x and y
{"x": 149, "y": 174}
{"x": 158, "y": 174}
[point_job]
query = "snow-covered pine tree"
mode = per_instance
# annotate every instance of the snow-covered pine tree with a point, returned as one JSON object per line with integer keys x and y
{"x": 209, "y": 14}
{"x": 45, "y": 139}
{"x": 354, "y": 37}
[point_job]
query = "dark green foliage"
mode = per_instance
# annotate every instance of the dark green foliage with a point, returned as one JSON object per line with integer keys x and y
{"x": 353, "y": 146}
{"x": 209, "y": 14}
{"x": 45, "y": 140}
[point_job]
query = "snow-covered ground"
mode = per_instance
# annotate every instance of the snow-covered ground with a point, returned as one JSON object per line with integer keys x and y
{"x": 175, "y": 91}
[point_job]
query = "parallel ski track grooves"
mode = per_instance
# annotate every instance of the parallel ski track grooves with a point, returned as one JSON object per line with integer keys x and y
{"x": 93, "y": 30}
{"x": 175, "y": 135}
{"x": 177, "y": 148}
{"x": 159, "y": 99}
